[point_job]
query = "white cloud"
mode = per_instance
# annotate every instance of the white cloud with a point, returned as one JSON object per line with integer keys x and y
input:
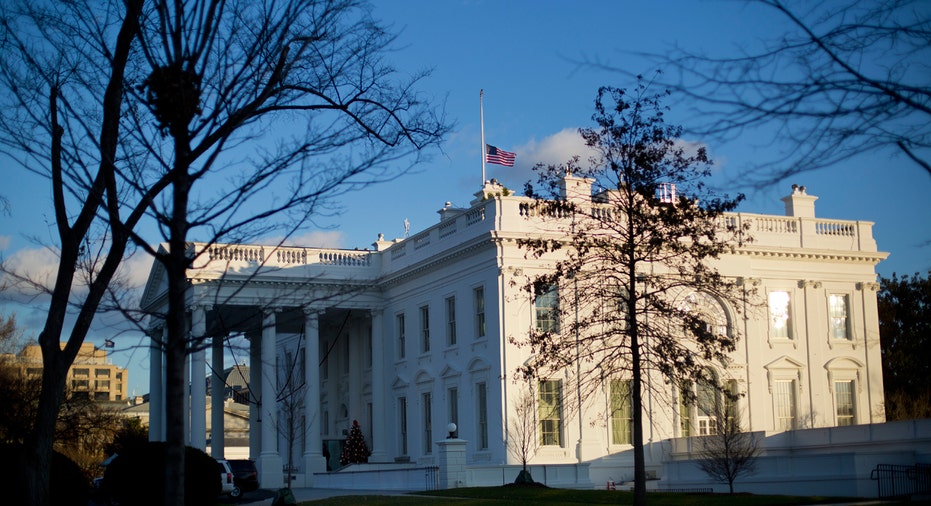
{"x": 555, "y": 149}
{"x": 40, "y": 265}
{"x": 4, "y": 242}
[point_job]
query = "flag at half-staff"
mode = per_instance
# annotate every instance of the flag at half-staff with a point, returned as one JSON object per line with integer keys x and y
{"x": 499, "y": 156}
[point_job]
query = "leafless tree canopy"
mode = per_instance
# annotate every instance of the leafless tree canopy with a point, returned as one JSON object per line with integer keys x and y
{"x": 632, "y": 291}
{"x": 522, "y": 434}
{"x": 728, "y": 452}
{"x": 848, "y": 77}
{"x": 216, "y": 120}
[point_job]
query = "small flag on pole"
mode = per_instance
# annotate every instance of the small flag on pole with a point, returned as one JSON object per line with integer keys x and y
{"x": 499, "y": 156}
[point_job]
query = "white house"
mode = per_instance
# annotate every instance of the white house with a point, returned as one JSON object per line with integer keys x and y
{"x": 413, "y": 334}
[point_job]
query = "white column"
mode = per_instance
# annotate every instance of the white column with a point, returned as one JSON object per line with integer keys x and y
{"x": 379, "y": 383}
{"x": 269, "y": 458}
{"x": 198, "y": 378}
{"x": 156, "y": 380}
{"x": 217, "y": 400}
{"x": 313, "y": 455}
{"x": 255, "y": 393}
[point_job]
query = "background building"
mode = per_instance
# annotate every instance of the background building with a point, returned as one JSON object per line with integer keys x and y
{"x": 91, "y": 374}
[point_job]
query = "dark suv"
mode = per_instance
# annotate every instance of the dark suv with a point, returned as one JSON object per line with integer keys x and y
{"x": 245, "y": 477}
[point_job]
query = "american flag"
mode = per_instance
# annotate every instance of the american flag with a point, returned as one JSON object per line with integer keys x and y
{"x": 499, "y": 156}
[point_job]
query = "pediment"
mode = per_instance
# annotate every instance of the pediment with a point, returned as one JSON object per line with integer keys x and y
{"x": 784, "y": 362}
{"x": 845, "y": 363}
{"x": 478, "y": 364}
{"x": 449, "y": 372}
{"x": 422, "y": 376}
{"x": 156, "y": 285}
{"x": 398, "y": 383}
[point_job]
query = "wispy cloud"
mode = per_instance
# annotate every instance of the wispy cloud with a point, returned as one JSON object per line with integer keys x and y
{"x": 4, "y": 242}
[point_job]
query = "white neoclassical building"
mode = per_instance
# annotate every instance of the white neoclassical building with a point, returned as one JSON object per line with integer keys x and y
{"x": 414, "y": 333}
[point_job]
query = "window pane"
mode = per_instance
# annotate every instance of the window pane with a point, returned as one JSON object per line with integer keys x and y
{"x": 425, "y": 328}
{"x": 546, "y": 307}
{"x": 843, "y": 391}
{"x": 785, "y": 405}
{"x": 451, "y": 320}
{"x": 621, "y": 420}
{"x": 402, "y": 338}
{"x": 551, "y": 413}
{"x": 480, "y": 312}
{"x": 427, "y": 423}
{"x": 402, "y": 412}
{"x": 837, "y": 309}
{"x": 482, "y": 417}
{"x": 779, "y": 314}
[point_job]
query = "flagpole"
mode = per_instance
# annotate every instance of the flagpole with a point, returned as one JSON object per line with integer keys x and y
{"x": 481, "y": 110}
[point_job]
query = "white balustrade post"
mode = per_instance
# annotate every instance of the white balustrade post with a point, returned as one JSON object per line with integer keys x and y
{"x": 313, "y": 455}
{"x": 269, "y": 459}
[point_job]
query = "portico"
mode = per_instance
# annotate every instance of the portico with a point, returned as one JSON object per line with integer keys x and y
{"x": 297, "y": 334}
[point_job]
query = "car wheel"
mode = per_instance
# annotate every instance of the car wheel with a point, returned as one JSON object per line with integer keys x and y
{"x": 236, "y": 493}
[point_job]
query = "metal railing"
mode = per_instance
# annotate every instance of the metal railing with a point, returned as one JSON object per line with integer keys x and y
{"x": 898, "y": 481}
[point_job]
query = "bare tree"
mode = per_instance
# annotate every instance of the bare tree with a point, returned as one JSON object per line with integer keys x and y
{"x": 728, "y": 452}
{"x": 63, "y": 72}
{"x": 522, "y": 433}
{"x": 627, "y": 285}
{"x": 847, "y": 78}
{"x": 290, "y": 399}
{"x": 215, "y": 120}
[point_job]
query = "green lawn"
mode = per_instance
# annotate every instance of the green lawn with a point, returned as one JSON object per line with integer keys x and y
{"x": 501, "y": 496}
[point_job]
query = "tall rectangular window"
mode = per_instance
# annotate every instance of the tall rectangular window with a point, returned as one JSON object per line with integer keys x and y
{"x": 779, "y": 315}
{"x": 451, "y": 320}
{"x": 550, "y": 413}
{"x": 479, "y": 297}
{"x": 843, "y": 393}
{"x": 837, "y": 316}
{"x": 685, "y": 410}
{"x": 427, "y": 422}
{"x": 402, "y": 335}
{"x": 481, "y": 395}
{"x": 785, "y": 404}
{"x": 453, "y": 398}
{"x": 546, "y": 309}
{"x": 425, "y": 329}
{"x": 621, "y": 419}
{"x": 402, "y": 423}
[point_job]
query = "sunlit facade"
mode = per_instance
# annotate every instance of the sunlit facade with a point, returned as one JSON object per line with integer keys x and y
{"x": 416, "y": 333}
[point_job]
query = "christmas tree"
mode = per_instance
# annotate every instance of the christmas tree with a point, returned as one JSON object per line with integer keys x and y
{"x": 354, "y": 451}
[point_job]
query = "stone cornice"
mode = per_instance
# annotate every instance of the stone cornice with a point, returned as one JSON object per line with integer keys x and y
{"x": 421, "y": 267}
{"x": 867, "y": 257}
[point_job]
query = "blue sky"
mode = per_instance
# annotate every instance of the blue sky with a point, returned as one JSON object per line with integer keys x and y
{"x": 524, "y": 55}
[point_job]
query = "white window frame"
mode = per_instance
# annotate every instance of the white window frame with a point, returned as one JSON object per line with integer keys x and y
{"x": 451, "y": 337}
{"x": 550, "y": 412}
{"x": 424, "y": 328}
{"x": 478, "y": 300}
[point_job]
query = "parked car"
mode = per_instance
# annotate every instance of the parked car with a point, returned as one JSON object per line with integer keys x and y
{"x": 245, "y": 477}
{"x": 227, "y": 485}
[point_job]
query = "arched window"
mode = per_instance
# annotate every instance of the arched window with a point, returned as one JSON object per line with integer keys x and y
{"x": 709, "y": 309}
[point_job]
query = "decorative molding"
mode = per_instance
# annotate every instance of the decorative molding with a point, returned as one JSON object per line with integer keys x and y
{"x": 810, "y": 283}
{"x": 868, "y": 285}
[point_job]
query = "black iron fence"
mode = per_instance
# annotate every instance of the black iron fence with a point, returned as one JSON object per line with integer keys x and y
{"x": 898, "y": 481}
